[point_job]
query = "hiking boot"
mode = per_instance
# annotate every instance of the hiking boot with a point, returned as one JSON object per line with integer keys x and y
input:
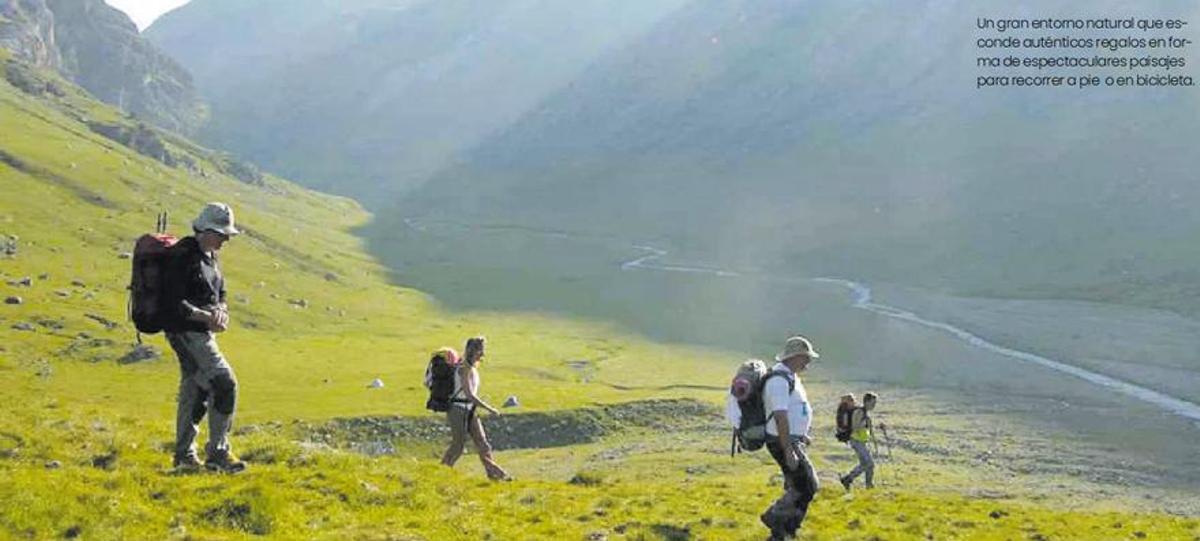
{"x": 186, "y": 462}
{"x": 774, "y": 523}
{"x": 225, "y": 462}
{"x": 846, "y": 482}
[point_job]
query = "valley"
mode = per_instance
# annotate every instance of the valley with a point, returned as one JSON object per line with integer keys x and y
{"x": 628, "y": 202}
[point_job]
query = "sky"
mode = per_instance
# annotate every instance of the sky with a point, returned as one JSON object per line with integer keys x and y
{"x": 143, "y": 12}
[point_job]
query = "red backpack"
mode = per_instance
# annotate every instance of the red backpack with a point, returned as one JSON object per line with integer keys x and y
{"x": 147, "y": 287}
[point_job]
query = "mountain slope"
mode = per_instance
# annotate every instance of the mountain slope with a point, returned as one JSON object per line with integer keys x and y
{"x": 304, "y": 290}
{"x": 848, "y": 140}
{"x": 99, "y": 48}
{"x": 818, "y": 137}
{"x": 83, "y": 436}
{"x": 369, "y": 98}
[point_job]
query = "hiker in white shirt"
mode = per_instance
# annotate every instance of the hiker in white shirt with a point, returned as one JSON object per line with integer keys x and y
{"x": 786, "y": 402}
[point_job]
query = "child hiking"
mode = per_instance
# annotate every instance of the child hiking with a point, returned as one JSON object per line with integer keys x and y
{"x": 461, "y": 416}
{"x": 856, "y": 425}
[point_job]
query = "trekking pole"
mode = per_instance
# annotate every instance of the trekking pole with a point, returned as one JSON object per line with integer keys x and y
{"x": 887, "y": 440}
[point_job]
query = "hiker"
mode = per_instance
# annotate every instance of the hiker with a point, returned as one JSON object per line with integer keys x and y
{"x": 860, "y": 435}
{"x": 788, "y": 424}
{"x": 461, "y": 414}
{"x": 197, "y": 311}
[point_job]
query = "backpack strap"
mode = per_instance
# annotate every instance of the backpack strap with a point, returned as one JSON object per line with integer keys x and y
{"x": 461, "y": 383}
{"x": 786, "y": 374}
{"x": 850, "y": 418}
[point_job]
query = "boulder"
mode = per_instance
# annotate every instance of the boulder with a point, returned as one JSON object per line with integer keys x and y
{"x": 140, "y": 353}
{"x": 23, "y": 326}
{"x": 52, "y": 324}
{"x": 108, "y": 324}
{"x": 511, "y": 402}
{"x": 13, "y": 300}
{"x": 376, "y": 384}
{"x": 106, "y": 461}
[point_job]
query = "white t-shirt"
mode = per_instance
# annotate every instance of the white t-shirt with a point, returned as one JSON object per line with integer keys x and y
{"x": 776, "y": 398}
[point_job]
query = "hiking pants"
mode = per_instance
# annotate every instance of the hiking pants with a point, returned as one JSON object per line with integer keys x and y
{"x": 206, "y": 385}
{"x": 866, "y": 464}
{"x": 800, "y": 486}
{"x": 464, "y": 422}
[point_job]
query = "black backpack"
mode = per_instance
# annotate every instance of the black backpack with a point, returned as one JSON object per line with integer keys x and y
{"x": 439, "y": 378}
{"x": 845, "y": 421}
{"x": 751, "y": 433}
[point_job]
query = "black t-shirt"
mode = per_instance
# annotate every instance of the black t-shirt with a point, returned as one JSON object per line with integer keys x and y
{"x": 195, "y": 278}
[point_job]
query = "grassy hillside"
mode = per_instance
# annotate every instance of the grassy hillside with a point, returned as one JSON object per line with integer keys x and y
{"x": 83, "y": 437}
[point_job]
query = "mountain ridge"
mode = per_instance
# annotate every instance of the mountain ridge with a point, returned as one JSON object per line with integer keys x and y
{"x": 99, "y": 48}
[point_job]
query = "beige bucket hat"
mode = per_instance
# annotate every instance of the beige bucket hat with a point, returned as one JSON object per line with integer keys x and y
{"x": 216, "y": 217}
{"x": 796, "y": 346}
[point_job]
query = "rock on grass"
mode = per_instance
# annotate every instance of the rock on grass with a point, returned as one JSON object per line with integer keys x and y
{"x": 106, "y": 461}
{"x": 140, "y": 353}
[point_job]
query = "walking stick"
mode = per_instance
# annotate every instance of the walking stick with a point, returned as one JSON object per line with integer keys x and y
{"x": 887, "y": 440}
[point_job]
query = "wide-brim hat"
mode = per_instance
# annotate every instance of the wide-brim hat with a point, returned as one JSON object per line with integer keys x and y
{"x": 216, "y": 217}
{"x": 796, "y": 346}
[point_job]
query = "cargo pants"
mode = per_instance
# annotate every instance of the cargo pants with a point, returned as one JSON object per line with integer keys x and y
{"x": 207, "y": 385}
{"x": 799, "y": 486}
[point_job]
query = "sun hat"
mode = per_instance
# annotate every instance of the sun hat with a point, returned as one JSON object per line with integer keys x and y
{"x": 216, "y": 217}
{"x": 796, "y": 346}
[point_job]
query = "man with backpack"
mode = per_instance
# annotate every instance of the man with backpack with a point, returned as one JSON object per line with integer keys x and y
{"x": 857, "y": 433}
{"x": 194, "y": 313}
{"x": 789, "y": 419}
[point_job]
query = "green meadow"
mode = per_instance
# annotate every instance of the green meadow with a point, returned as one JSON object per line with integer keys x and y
{"x": 83, "y": 435}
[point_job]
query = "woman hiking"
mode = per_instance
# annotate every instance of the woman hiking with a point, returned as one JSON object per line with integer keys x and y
{"x": 461, "y": 415}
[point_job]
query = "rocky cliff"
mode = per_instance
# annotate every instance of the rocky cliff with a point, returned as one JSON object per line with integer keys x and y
{"x": 100, "y": 49}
